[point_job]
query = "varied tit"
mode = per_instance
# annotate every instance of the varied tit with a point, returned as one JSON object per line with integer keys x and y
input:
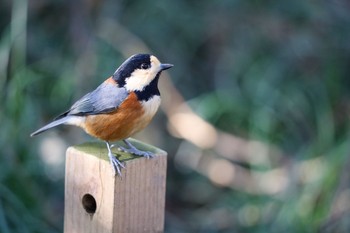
{"x": 121, "y": 106}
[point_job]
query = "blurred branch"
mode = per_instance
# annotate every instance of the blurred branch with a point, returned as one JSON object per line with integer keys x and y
{"x": 79, "y": 32}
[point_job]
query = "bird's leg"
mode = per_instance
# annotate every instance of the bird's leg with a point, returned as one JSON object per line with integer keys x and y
{"x": 116, "y": 164}
{"x": 133, "y": 150}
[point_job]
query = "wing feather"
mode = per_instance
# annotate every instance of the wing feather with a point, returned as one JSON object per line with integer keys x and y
{"x": 104, "y": 99}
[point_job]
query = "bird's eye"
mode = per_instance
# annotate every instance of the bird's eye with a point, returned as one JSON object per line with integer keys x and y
{"x": 145, "y": 66}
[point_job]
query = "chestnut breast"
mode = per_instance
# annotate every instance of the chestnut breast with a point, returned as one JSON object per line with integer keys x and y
{"x": 129, "y": 118}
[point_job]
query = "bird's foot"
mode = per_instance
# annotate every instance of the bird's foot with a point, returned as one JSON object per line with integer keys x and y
{"x": 133, "y": 150}
{"x": 116, "y": 164}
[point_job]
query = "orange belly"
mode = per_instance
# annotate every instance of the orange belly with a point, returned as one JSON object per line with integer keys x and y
{"x": 127, "y": 120}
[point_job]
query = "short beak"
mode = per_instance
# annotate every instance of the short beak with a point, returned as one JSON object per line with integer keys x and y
{"x": 165, "y": 66}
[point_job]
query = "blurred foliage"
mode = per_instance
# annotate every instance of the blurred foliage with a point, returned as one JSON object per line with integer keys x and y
{"x": 272, "y": 71}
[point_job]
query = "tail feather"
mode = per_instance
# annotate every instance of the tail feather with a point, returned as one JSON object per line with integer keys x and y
{"x": 51, "y": 125}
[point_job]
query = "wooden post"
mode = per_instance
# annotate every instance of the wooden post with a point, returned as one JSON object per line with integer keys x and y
{"x": 96, "y": 201}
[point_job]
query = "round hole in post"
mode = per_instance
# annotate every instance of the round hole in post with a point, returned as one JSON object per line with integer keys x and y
{"x": 89, "y": 203}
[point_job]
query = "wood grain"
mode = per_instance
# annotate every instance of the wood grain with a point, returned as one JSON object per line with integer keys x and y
{"x": 133, "y": 203}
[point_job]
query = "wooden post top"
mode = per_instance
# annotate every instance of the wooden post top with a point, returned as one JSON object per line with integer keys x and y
{"x": 98, "y": 148}
{"x": 98, "y": 201}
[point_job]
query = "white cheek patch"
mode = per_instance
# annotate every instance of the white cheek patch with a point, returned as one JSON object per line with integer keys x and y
{"x": 151, "y": 106}
{"x": 138, "y": 80}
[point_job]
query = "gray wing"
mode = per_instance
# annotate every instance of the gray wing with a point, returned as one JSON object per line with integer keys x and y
{"x": 104, "y": 99}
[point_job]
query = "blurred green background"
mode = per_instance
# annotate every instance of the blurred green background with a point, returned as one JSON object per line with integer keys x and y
{"x": 264, "y": 145}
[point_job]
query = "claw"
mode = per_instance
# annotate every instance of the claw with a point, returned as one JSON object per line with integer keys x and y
{"x": 116, "y": 164}
{"x": 133, "y": 150}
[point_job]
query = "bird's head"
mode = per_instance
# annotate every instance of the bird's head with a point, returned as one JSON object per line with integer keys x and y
{"x": 138, "y": 71}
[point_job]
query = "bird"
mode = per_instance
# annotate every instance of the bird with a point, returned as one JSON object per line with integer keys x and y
{"x": 121, "y": 106}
